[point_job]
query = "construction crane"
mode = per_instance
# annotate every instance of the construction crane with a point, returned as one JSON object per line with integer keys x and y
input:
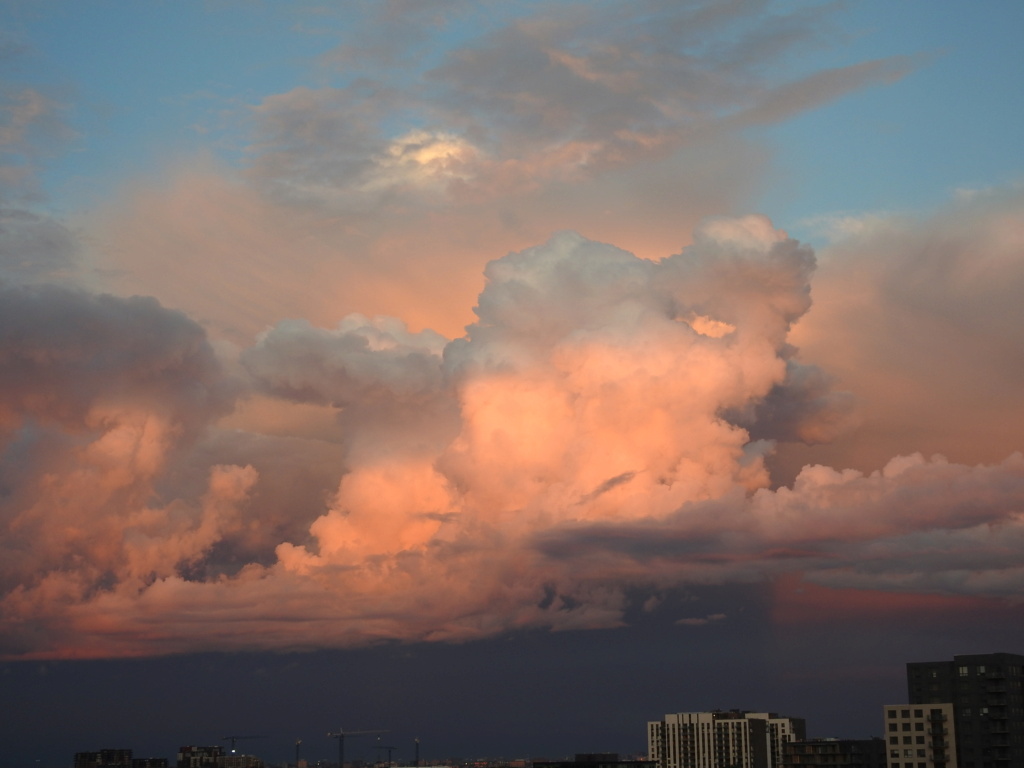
{"x": 387, "y": 749}
{"x": 340, "y": 735}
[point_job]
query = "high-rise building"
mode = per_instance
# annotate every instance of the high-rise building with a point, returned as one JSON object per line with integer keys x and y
{"x": 986, "y": 693}
{"x": 733, "y": 739}
{"x": 920, "y": 736}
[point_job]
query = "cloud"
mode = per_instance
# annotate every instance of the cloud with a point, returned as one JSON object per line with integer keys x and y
{"x": 701, "y": 622}
{"x": 98, "y": 394}
{"x": 604, "y": 431}
{"x": 581, "y": 398}
{"x": 626, "y": 123}
{"x": 605, "y": 424}
{"x": 33, "y": 244}
{"x": 917, "y": 316}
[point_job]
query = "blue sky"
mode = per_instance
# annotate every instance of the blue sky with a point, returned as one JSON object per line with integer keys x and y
{"x": 141, "y": 84}
{"x": 558, "y": 349}
{"x": 909, "y": 145}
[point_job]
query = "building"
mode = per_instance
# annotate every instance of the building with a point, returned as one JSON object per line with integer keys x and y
{"x": 733, "y": 739}
{"x": 920, "y": 736}
{"x": 988, "y": 710}
{"x": 239, "y": 761}
{"x": 104, "y": 758}
{"x": 592, "y": 760}
{"x": 200, "y": 757}
{"x": 835, "y": 753}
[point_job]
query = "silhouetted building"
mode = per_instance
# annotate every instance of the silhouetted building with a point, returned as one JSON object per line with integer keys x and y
{"x": 920, "y": 736}
{"x": 104, "y": 758}
{"x": 834, "y": 753}
{"x": 200, "y": 757}
{"x": 593, "y": 760}
{"x": 149, "y": 762}
{"x": 986, "y": 693}
{"x": 239, "y": 761}
{"x": 733, "y": 739}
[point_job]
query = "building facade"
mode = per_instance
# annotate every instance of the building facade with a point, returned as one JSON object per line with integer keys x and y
{"x": 200, "y": 757}
{"x": 988, "y": 709}
{"x": 720, "y": 739}
{"x": 920, "y": 736}
{"x": 835, "y": 753}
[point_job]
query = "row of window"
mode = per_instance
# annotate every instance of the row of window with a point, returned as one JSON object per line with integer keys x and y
{"x": 906, "y": 727}
{"x": 907, "y": 753}
{"x": 905, "y": 713}
{"x": 964, "y": 671}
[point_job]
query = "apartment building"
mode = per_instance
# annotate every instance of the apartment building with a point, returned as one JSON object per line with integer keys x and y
{"x": 722, "y": 739}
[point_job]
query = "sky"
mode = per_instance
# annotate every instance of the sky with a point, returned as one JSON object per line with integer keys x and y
{"x": 501, "y": 374}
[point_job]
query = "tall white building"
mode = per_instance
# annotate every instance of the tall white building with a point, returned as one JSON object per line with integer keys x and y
{"x": 731, "y": 739}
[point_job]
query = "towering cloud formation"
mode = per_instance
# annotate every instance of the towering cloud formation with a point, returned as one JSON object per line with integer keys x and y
{"x": 602, "y": 426}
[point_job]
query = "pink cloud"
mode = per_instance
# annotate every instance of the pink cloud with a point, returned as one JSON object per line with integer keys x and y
{"x": 606, "y": 424}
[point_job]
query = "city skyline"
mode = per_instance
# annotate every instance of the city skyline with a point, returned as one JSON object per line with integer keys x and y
{"x": 505, "y": 375}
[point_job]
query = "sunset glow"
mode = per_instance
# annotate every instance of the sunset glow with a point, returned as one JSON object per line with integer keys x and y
{"x": 327, "y": 328}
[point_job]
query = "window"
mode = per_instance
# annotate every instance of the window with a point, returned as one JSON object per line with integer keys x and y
{"x": 894, "y": 753}
{"x": 920, "y": 740}
{"x": 892, "y": 726}
{"x": 894, "y": 739}
{"x": 891, "y": 713}
{"x": 908, "y": 753}
{"x": 981, "y": 670}
{"x": 918, "y": 726}
{"x": 918, "y": 713}
{"x": 907, "y": 740}
{"x": 920, "y": 753}
{"x": 906, "y": 726}
{"x": 962, "y": 671}
{"x": 905, "y": 713}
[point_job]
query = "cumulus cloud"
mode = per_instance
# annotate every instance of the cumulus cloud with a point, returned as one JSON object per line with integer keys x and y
{"x": 604, "y": 425}
{"x": 97, "y": 394}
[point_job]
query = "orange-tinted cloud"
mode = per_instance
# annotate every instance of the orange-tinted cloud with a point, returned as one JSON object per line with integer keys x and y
{"x": 590, "y": 433}
{"x": 919, "y": 317}
{"x": 609, "y": 420}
